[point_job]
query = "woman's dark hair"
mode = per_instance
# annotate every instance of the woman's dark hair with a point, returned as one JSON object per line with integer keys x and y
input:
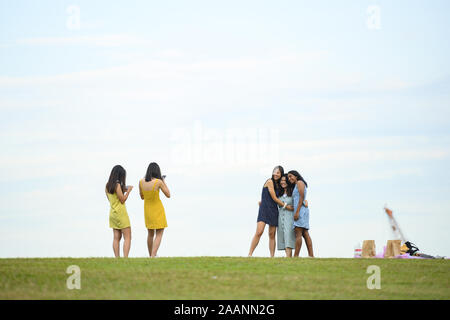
{"x": 276, "y": 183}
{"x": 153, "y": 171}
{"x": 290, "y": 186}
{"x": 118, "y": 175}
{"x": 299, "y": 177}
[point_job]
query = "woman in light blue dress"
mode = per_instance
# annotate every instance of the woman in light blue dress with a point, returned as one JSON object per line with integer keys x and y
{"x": 285, "y": 231}
{"x": 301, "y": 213}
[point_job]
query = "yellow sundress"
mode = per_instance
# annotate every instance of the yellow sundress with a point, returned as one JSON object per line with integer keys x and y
{"x": 118, "y": 215}
{"x": 154, "y": 213}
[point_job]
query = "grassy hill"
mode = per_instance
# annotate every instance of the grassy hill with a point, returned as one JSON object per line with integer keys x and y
{"x": 223, "y": 278}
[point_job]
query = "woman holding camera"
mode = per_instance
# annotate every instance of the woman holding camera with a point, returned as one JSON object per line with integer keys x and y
{"x": 117, "y": 193}
{"x": 154, "y": 213}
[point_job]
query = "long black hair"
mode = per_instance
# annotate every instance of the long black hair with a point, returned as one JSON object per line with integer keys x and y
{"x": 290, "y": 186}
{"x": 153, "y": 171}
{"x": 118, "y": 175}
{"x": 298, "y": 175}
{"x": 276, "y": 183}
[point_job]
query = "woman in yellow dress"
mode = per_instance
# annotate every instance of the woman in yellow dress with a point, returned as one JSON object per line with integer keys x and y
{"x": 154, "y": 213}
{"x": 117, "y": 193}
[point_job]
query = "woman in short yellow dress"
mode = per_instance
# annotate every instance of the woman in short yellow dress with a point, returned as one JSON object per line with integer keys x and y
{"x": 117, "y": 193}
{"x": 154, "y": 213}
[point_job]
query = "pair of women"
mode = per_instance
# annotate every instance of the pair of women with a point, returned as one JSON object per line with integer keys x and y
{"x": 283, "y": 205}
{"x": 117, "y": 193}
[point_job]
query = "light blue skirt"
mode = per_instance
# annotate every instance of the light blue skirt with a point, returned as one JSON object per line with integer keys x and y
{"x": 303, "y": 220}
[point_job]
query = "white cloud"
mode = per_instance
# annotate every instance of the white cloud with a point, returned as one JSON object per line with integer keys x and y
{"x": 104, "y": 40}
{"x": 242, "y": 77}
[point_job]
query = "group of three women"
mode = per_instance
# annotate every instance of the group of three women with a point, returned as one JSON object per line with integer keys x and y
{"x": 283, "y": 204}
{"x": 117, "y": 193}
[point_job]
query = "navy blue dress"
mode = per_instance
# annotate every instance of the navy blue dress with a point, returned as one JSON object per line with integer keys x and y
{"x": 268, "y": 210}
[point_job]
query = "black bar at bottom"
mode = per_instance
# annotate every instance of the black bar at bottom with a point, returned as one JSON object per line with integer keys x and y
{"x": 222, "y": 309}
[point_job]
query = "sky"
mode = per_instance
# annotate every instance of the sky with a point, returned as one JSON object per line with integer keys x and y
{"x": 355, "y": 95}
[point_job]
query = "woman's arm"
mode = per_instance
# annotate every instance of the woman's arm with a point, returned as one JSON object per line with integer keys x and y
{"x": 165, "y": 189}
{"x": 301, "y": 191}
{"x": 289, "y": 208}
{"x": 123, "y": 197}
{"x": 272, "y": 193}
{"x": 140, "y": 191}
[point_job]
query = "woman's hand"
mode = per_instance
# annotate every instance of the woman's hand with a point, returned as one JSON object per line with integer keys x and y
{"x": 284, "y": 205}
{"x": 296, "y": 216}
{"x": 270, "y": 187}
{"x": 165, "y": 189}
{"x": 129, "y": 188}
{"x": 290, "y": 208}
{"x": 259, "y": 203}
{"x": 123, "y": 196}
{"x": 140, "y": 191}
{"x": 305, "y": 203}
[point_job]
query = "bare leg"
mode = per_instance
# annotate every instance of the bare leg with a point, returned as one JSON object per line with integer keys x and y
{"x": 298, "y": 240}
{"x": 116, "y": 242}
{"x": 158, "y": 237}
{"x": 127, "y": 243}
{"x": 151, "y": 234}
{"x": 308, "y": 243}
{"x": 259, "y": 231}
{"x": 288, "y": 252}
{"x": 272, "y": 232}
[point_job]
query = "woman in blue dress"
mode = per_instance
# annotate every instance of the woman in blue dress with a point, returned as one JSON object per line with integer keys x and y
{"x": 268, "y": 210}
{"x": 301, "y": 216}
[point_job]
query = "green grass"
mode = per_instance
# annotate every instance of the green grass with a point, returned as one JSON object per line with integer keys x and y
{"x": 223, "y": 278}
